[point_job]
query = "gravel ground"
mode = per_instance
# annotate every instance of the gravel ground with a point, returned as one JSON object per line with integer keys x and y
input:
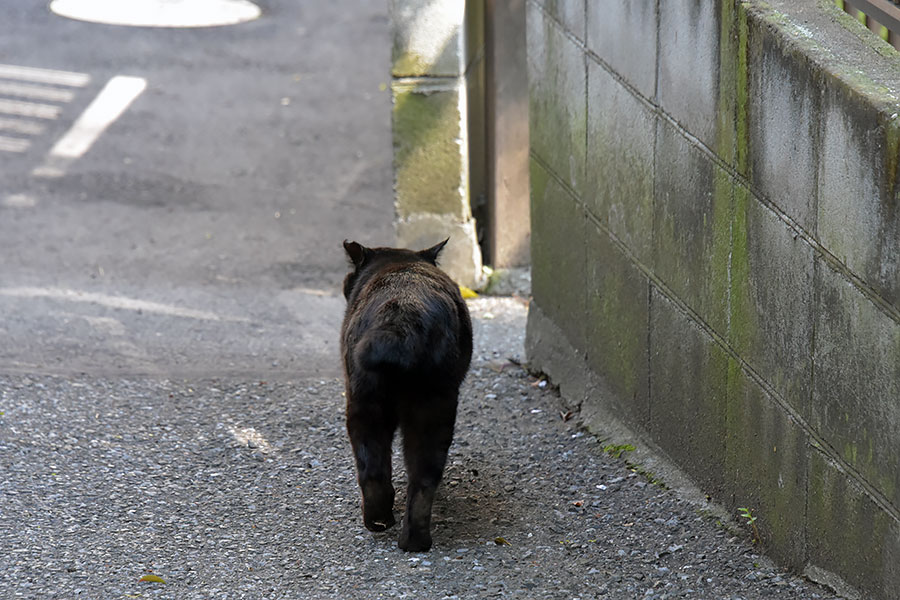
{"x": 245, "y": 489}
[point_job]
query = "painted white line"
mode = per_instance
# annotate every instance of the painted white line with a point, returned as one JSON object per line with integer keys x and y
{"x": 36, "y": 92}
{"x": 110, "y": 103}
{"x": 44, "y": 76}
{"x": 119, "y": 302}
{"x": 19, "y": 201}
{"x": 8, "y": 144}
{"x": 21, "y": 126}
{"x": 29, "y": 109}
{"x": 158, "y": 13}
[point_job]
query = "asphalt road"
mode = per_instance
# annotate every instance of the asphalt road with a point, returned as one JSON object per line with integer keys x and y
{"x": 201, "y": 232}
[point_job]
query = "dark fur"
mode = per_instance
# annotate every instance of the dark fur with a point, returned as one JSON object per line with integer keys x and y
{"x": 406, "y": 342}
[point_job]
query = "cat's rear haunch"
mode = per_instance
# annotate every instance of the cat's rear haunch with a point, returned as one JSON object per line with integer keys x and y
{"x": 406, "y": 343}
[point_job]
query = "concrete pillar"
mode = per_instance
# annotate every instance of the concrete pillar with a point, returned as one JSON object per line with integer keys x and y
{"x": 432, "y": 186}
{"x": 508, "y": 228}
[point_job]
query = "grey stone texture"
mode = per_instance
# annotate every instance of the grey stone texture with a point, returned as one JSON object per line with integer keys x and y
{"x": 434, "y": 109}
{"x": 427, "y": 38}
{"x": 724, "y": 267}
{"x": 623, "y": 34}
{"x": 691, "y": 236}
{"x": 689, "y": 36}
{"x": 784, "y": 105}
{"x": 771, "y": 304}
{"x": 774, "y": 482}
{"x": 558, "y": 233}
{"x": 557, "y": 87}
{"x": 570, "y": 13}
{"x": 689, "y": 387}
{"x": 859, "y": 206}
{"x": 617, "y": 327}
{"x": 620, "y": 192}
{"x": 856, "y": 392}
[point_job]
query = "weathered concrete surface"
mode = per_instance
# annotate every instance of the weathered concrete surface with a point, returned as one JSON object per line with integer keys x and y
{"x": 507, "y": 236}
{"x": 612, "y": 28}
{"x": 558, "y": 111}
{"x": 433, "y": 147}
{"x": 731, "y": 290}
{"x": 620, "y": 192}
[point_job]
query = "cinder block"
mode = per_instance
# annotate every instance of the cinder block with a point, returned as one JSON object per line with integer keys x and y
{"x": 859, "y": 210}
{"x": 784, "y": 114}
{"x": 568, "y": 12}
{"x": 848, "y": 533}
{"x": 772, "y": 300}
{"x": 621, "y": 132}
{"x": 692, "y": 226}
{"x": 427, "y": 38}
{"x": 558, "y": 108}
{"x": 623, "y": 34}
{"x": 617, "y": 321}
{"x": 689, "y": 65}
{"x": 549, "y": 351}
{"x": 558, "y": 255}
{"x": 766, "y": 460}
{"x": 461, "y": 258}
{"x": 688, "y": 394}
{"x": 856, "y": 392}
{"x": 429, "y": 150}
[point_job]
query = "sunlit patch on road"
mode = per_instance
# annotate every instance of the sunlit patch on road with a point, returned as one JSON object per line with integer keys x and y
{"x": 29, "y": 97}
{"x": 158, "y": 13}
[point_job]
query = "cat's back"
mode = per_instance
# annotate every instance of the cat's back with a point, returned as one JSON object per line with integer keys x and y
{"x": 409, "y": 315}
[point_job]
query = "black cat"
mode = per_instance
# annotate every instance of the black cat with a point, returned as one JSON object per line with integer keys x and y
{"x": 406, "y": 343}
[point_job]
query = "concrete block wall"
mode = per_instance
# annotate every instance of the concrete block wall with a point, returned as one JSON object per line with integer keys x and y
{"x": 433, "y": 84}
{"x": 716, "y": 255}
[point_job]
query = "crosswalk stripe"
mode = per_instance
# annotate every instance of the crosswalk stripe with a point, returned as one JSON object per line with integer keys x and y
{"x": 50, "y": 76}
{"x": 37, "y": 92}
{"x": 8, "y": 144}
{"x": 29, "y": 109}
{"x": 21, "y": 126}
{"x": 110, "y": 103}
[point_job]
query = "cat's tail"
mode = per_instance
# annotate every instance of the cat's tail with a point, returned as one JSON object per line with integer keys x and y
{"x": 387, "y": 350}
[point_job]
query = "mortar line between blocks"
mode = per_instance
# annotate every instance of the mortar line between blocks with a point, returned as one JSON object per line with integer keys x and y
{"x": 808, "y": 238}
{"x": 875, "y": 495}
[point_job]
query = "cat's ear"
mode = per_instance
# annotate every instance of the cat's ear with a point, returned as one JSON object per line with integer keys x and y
{"x": 431, "y": 254}
{"x": 357, "y": 253}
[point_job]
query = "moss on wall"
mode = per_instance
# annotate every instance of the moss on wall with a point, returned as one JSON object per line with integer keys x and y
{"x": 428, "y": 166}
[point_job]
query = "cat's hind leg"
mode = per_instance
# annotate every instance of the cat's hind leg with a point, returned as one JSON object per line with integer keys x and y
{"x": 371, "y": 423}
{"x": 427, "y": 434}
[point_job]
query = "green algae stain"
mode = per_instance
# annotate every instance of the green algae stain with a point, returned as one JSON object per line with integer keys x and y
{"x": 428, "y": 163}
{"x": 743, "y": 318}
{"x": 409, "y": 64}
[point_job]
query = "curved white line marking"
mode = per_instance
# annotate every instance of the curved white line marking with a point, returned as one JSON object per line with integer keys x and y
{"x": 158, "y": 13}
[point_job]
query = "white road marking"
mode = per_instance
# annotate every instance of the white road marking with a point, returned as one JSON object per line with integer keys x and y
{"x": 50, "y": 76}
{"x": 115, "y": 97}
{"x": 119, "y": 302}
{"x": 19, "y": 88}
{"x": 21, "y": 126}
{"x": 28, "y": 109}
{"x": 36, "y": 92}
{"x": 158, "y": 13}
{"x": 108, "y": 106}
{"x": 9, "y": 144}
{"x": 19, "y": 201}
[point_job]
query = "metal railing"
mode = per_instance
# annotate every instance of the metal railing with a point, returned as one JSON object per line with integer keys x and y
{"x": 881, "y": 16}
